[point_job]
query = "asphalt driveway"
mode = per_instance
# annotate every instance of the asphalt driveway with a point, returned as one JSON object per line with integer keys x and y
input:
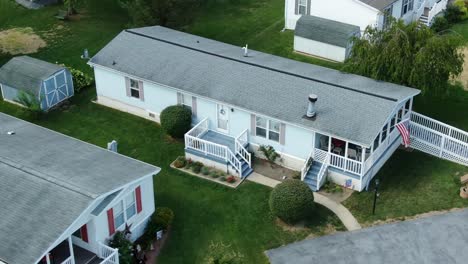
{"x": 435, "y": 239}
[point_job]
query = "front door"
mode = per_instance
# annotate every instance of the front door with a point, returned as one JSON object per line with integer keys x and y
{"x": 223, "y": 118}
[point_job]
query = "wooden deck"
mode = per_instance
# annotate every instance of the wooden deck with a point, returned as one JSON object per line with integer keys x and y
{"x": 218, "y": 138}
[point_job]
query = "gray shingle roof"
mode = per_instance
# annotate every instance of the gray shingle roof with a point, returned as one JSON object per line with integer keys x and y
{"x": 349, "y": 106}
{"x": 26, "y": 73}
{"x": 378, "y": 4}
{"x": 325, "y": 30}
{"x": 46, "y": 181}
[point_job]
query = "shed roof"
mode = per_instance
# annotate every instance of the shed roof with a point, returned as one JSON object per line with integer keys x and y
{"x": 349, "y": 106}
{"x": 47, "y": 180}
{"x": 325, "y": 30}
{"x": 27, "y": 73}
{"x": 378, "y": 4}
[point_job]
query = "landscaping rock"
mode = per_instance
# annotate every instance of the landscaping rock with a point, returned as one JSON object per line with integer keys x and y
{"x": 464, "y": 192}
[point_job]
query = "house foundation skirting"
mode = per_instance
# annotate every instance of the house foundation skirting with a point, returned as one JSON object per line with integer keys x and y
{"x": 112, "y": 103}
{"x": 285, "y": 160}
{"x": 220, "y": 165}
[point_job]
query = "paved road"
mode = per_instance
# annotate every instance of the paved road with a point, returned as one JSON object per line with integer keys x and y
{"x": 431, "y": 240}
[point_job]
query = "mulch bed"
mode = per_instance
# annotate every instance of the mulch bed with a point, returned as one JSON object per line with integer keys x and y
{"x": 152, "y": 255}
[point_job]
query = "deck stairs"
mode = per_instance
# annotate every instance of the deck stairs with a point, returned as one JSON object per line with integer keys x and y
{"x": 245, "y": 168}
{"x": 311, "y": 177}
{"x": 438, "y": 139}
{"x": 424, "y": 20}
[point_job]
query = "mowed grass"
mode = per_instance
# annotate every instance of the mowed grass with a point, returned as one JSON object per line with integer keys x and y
{"x": 205, "y": 212}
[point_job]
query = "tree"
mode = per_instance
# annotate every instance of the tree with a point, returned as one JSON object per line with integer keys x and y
{"x": 411, "y": 55}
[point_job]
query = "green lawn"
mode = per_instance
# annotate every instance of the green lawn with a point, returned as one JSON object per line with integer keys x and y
{"x": 205, "y": 211}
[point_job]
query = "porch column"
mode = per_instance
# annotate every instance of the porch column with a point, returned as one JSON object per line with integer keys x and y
{"x": 363, "y": 154}
{"x": 410, "y": 105}
{"x": 70, "y": 246}
{"x": 47, "y": 257}
{"x": 346, "y": 150}
{"x": 329, "y": 144}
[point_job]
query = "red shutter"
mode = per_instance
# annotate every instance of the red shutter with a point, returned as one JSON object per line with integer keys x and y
{"x": 110, "y": 221}
{"x": 138, "y": 199}
{"x": 84, "y": 233}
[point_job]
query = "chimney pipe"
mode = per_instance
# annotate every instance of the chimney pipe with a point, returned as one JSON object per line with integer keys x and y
{"x": 311, "y": 107}
{"x": 246, "y": 50}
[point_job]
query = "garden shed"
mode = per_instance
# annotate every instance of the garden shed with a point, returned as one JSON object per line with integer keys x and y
{"x": 324, "y": 38}
{"x": 49, "y": 83}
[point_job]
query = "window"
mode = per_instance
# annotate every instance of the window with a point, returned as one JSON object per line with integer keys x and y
{"x": 392, "y": 124}
{"x": 130, "y": 205}
{"x": 407, "y": 6}
{"x": 267, "y": 128}
{"x": 376, "y": 142}
{"x": 77, "y": 233}
{"x": 134, "y": 88}
{"x": 387, "y": 15}
{"x": 302, "y": 8}
{"x": 186, "y": 101}
{"x": 384, "y": 133}
{"x": 119, "y": 217}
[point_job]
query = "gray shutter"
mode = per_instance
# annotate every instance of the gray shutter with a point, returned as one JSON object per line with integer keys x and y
{"x": 296, "y": 7}
{"x": 142, "y": 90}
{"x": 127, "y": 86}
{"x": 308, "y": 7}
{"x": 194, "y": 106}
{"x": 179, "y": 98}
{"x": 253, "y": 130}
{"x": 282, "y": 133}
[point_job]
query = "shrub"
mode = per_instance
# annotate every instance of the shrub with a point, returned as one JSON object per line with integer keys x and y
{"x": 196, "y": 167}
{"x": 223, "y": 179}
{"x": 454, "y": 14}
{"x": 176, "y": 120}
{"x": 80, "y": 79}
{"x": 291, "y": 201}
{"x": 31, "y": 102}
{"x": 231, "y": 179}
{"x": 188, "y": 164}
{"x": 440, "y": 24}
{"x": 160, "y": 220}
{"x": 205, "y": 170}
{"x": 180, "y": 162}
{"x": 121, "y": 242}
{"x": 214, "y": 174}
{"x": 219, "y": 253}
{"x": 269, "y": 152}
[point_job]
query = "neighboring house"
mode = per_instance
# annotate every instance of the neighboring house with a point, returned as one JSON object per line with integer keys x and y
{"x": 363, "y": 13}
{"x": 49, "y": 83}
{"x": 324, "y": 38}
{"x": 62, "y": 199}
{"x": 242, "y": 102}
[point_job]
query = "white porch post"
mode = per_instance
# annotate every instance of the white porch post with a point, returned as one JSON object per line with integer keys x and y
{"x": 47, "y": 257}
{"x": 329, "y": 144}
{"x": 346, "y": 150}
{"x": 70, "y": 246}
{"x": 363, "y": 154}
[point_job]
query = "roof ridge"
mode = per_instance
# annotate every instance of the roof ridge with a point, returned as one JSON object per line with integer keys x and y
{"x": 46, "y": 177}
{"x": 261, "y": 66}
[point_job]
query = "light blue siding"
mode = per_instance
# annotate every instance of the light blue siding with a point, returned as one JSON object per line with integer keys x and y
{"x": 9, "y": 93}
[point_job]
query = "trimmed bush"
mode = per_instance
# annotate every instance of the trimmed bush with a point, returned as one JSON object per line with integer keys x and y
{"x": 291, "y": 201}
{"x": 80, "y": 79}
{"x": 440, "y": 24}
{"x": 454, "y": 14}
{"x": 214, "y": 174}
{"x": 176, "y": 120}
{"x": 231, "y": 179}
{"x": 197, "y": 166}
{"x": 205, "y": 170}
{"x": 160, "y": 220}
{"x": 180, "y": 162}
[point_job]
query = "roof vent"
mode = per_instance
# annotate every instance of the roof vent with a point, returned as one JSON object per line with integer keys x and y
{"x": 11, "y": 133}
{"x": 246, "y": 50}
{"x": 311, "y": 107}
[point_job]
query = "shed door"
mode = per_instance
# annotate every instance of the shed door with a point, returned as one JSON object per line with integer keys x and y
{"x": 56, "y": 89}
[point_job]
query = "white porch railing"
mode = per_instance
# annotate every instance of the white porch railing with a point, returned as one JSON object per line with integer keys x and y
{"x": 420, "y": 11}
{"x": 193, "y": 141}
{"x": 306, "y": 166}
{"x": 436, "y": 9}
{"x": 439, "y": 139}
{"x": 240, "y": 141}
{"x": 110, "y": 255}
{"x": 323, "y": 169}
{"x": 69, "y": 260}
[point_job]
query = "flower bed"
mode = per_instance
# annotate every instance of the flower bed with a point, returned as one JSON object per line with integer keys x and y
{"x": 198, "y": 169}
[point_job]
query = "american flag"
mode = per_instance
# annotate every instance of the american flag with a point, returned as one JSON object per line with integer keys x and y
{"x": 404, "y": 132}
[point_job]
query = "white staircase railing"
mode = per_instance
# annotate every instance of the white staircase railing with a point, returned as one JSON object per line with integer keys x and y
{"x": 110, "y": 255}
{"x": 306, "y": 166}
{"x": 438, "y": 139}
{"x": 69, "y": 260}
{"x": 193, "y": 141}
{"x": 420, "y": 11}
{"x": 436, "y": 9}
{"x": 322, "y": 172}
{"x": 240, "y": 141}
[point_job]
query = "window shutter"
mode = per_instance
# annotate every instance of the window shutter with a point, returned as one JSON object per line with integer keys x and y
{"x": 110, "y": 221}
{"x": 253, "y": 130}
{"x": 84, "y": 233}
{"x": 296, "y": 7}
{"x": 282, "y": 133}
{"x": 179, "y": 98}
{"x": 194, "y": 106}
{"x": 308, "y": 7}
{"x": 127, "y": 86}
{"x": 142, "y": 90}
{"x": 138, "y": 199}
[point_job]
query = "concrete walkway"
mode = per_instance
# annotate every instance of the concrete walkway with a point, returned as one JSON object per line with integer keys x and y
{"x": 343, "y": 214}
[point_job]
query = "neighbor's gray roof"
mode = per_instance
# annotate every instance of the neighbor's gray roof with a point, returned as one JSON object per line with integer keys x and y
{"x": 46, "y": 181}
{"x": 378, "y": 4}
{"x": 26, "y": 73}
{"x": 261, "y": 83}
{"x": 325, "y": 30}
{"x": 431, "y": 240}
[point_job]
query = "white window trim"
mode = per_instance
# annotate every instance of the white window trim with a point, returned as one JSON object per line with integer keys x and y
{"x": 186, "y": 99}
{"x": 299, "y": 5}
{"x": 124, "y": 208}
{"x": 137, "y": 88}
{"x": 267, "y": 129}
